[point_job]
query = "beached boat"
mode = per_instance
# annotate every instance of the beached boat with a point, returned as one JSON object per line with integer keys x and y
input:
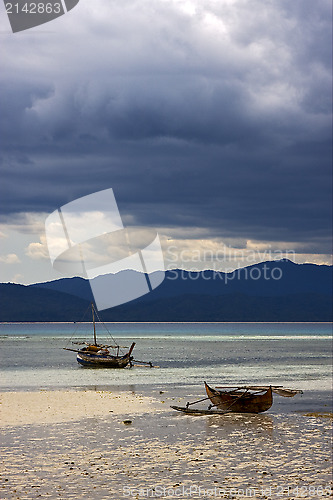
{"x": 96, "y": 355}
{"x": 241, "y": 399}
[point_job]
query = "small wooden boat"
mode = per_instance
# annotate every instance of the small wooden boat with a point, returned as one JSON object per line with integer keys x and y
{"x": 99, "y": 356}
{"x": 95, "y": 355}
{"x": 241, "y": 399}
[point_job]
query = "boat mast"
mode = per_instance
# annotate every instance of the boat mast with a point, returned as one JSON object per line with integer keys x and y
{"x": 93, "y": 315}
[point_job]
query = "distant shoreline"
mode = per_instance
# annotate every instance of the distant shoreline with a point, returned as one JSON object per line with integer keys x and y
{"x": 302, "y": 294}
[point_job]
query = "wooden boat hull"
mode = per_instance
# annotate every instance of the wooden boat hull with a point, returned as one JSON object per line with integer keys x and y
{"x": 91, "y": 358}
{"x": 98, "y": 361}
{"x": 240, "y": 402}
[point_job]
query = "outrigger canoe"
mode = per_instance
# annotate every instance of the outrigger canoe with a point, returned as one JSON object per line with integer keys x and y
{"x": 242, "y": 399}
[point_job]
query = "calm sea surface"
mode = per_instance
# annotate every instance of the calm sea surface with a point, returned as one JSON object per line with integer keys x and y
{"x": 297, "y": 355}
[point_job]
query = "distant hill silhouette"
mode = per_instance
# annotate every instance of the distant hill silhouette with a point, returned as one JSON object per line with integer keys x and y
{"x": 268, "y": 291}
{"x": 27, "y": 303}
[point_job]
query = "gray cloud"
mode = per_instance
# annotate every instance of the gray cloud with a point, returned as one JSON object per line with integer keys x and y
{"x": 197, "y": 114}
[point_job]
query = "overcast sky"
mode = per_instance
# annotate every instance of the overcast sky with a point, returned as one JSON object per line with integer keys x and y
{"x": 210, "y": 119}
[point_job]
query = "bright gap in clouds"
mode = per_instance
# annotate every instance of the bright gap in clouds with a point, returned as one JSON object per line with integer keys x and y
{"x": 181, "y": 249}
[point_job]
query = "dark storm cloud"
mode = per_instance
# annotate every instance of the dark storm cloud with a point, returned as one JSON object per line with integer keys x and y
{"x": 216, "y": 118}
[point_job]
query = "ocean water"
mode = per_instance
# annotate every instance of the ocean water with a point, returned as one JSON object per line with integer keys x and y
{"x": 295, "y": 355}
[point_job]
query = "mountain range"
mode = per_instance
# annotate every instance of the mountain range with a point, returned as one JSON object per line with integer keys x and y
{"x": 268, "y": 291}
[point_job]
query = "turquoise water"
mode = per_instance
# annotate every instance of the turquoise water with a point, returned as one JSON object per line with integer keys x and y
{"x": 291, "y": 354}
{"x": 160, "y": 330}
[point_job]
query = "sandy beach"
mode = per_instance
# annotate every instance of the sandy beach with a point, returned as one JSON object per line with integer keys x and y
{"x": 100, "y": 444}
{"x": 46, "y": 407}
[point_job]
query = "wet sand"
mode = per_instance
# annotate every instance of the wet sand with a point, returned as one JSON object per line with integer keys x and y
{"x": 44, "y": 407}
{"x": 101, "y": 445}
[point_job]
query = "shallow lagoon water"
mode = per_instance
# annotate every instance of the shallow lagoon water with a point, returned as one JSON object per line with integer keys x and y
{"x": 296, "y": 355}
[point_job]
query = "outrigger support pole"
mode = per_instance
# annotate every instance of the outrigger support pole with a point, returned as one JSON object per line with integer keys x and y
{"x": 212, "y": 406}
{"x": 194, "y": 402}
